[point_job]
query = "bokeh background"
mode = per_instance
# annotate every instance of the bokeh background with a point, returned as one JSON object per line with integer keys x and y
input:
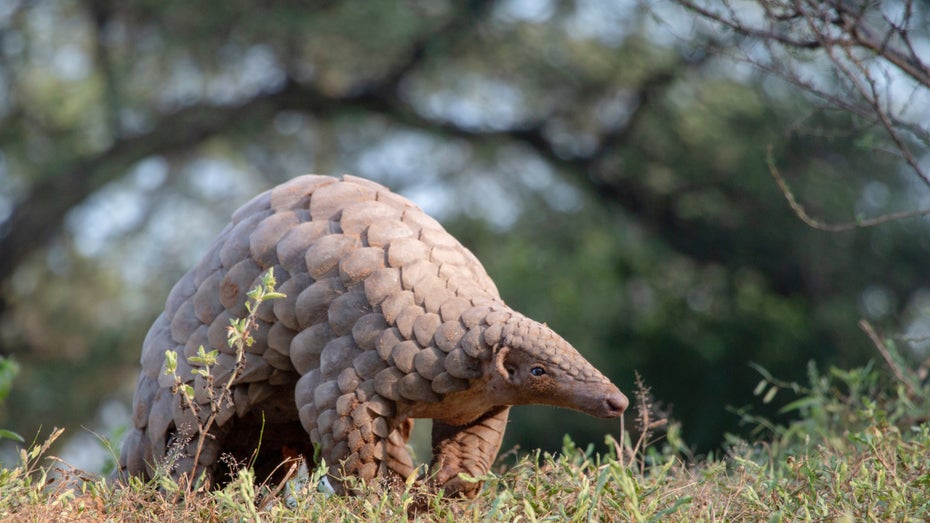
{"x": 606, "y": 160}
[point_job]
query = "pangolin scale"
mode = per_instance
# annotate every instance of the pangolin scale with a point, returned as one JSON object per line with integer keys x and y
{"x": 387, "y": 318}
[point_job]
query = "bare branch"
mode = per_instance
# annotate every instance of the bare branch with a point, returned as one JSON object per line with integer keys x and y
{"x": 839, "y": 227}
{"x": 733, "y": 22}
{"x": 893, "y": 364}
{"x": 852, "y": 36}
{"x": 865, "y": 85}
{"x": 909, "y": 63}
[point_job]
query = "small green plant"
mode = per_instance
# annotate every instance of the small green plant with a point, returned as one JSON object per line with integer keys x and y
{"x": 219, "y": 395}
{"x": 839, "y": 401}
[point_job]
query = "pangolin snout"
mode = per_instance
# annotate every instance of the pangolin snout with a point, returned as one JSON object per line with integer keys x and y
{"x": 601, "y": 400}
{"x": 615, "y": 404}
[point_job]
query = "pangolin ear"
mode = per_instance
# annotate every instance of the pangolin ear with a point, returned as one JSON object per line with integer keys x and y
{"x": 504, "y": 369}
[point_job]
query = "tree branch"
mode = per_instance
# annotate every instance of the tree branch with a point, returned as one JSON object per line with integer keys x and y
{"x": 814, "y": 223}
{"x": 909, "y": 64}
{"x": 39, "y": 216}
{"x": 845, "y": 33}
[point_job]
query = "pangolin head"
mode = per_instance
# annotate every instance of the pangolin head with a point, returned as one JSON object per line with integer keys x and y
{"x": 533, "y": 364}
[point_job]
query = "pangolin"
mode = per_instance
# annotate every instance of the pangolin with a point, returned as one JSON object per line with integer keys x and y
{"x": 387, "y": 318}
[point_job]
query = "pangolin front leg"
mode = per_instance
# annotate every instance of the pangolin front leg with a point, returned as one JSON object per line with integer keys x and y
{"x": 397, "y": 459}
{"x": 469, "y": 448}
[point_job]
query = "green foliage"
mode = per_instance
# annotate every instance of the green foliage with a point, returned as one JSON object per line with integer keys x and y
{"x": 842, "y": 407}
{"x": 9, "y": 434}
{"x": 857, "y": 453}
{"x": 8, "y": 371}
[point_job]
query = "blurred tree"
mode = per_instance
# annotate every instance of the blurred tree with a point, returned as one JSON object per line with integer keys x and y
{"x": 609, "y": 170}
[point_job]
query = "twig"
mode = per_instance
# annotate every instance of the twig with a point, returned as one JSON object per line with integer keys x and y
{"x": 618, "y": 447}
{"x": 293, "y": 464}
{"x": 886, "y": 354}
{"x": 831, "y": 227}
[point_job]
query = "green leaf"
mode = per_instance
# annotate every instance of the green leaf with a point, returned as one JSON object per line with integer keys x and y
{"x": 468, "y": 478}
{"x": 268, "y": 280}
{"x": 203, "y": 357}
{"x": 187, "y": 390}
{"x": 171, "y": 362}
{"x": 528, "y": 509}
{"x": 8, "y": 371}
{"x": 9, "y": 434}
{"x": 799, "y": 404}
{"x": 770, "y": 395}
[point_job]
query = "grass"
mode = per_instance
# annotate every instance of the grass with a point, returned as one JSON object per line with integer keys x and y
{"x": 856, "y": 450}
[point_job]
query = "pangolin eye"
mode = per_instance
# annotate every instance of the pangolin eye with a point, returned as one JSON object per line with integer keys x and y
{"x": 537, "y": 371}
